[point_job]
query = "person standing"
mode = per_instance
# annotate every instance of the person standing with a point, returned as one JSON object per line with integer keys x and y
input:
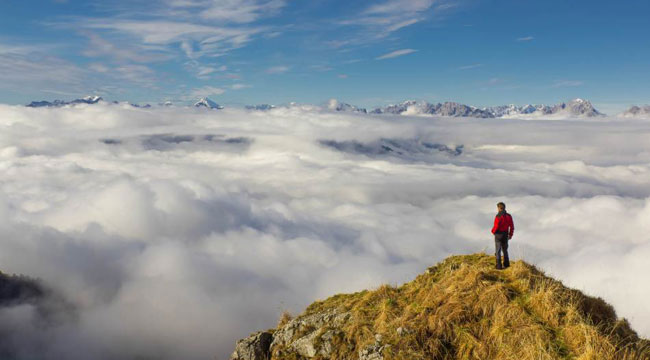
{"x": 503, "y": 230}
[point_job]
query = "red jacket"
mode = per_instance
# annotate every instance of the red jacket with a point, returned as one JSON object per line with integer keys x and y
{"x": 504, "y": 224}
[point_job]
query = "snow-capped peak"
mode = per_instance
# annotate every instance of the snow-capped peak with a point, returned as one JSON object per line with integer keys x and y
{"x": 91, "y": 98}
{"x": 336, "y": 105}
{"x": 205, "y": 102}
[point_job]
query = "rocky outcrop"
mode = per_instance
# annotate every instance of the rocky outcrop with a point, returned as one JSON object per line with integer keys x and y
{"x": 310, "y": 336}
{"x": 254, "y": 347}
{"x": 315, "y": 335}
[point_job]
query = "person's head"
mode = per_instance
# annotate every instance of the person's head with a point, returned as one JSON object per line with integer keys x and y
{"x": 501, "y": 206}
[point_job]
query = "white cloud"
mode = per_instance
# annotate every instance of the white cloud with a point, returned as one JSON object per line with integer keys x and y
{"x": 98, "y": 67}
{"x": 176, "y": 232}
{"x": 321, "y": 67}
{"x": 396, "y": 53}
{"x": 171, "y": 32}
{"x": 137, "y": 74}
{"x": 378, "y": 21}
{"x": 398, "y": 6}
{"x": 526, "y": 38}
{"x": 204, "y": 91}
{"x": 100, "y": 47}
{"x": 204, "y": 72}
{"x": 468, "y": 67}
{"x": 240, "y": 86}
{"x": 280, "y": 69}
{"x": 197, "y": 28}
{"x": 27, "y": 70}
{"x": 567, "y": 83}
{"x": 495, "y": 81}
{"x": 235, "y": 11}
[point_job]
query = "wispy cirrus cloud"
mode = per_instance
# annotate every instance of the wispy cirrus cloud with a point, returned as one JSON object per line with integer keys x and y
{"x": 392, "y": 7}
{"x": 280, "y": 69}
{"x": 396, "y": 53}
{"x": 378, "y": 21}
{"x": 100, "y": 47}
{"x": 567, "y": 83}
{"x": 167, "y": 32}
{"x": 202, "y": 71}
{"x": 239, "y": 86}
{"x": 34, "y": 72}
{"x": 471, "y": 66}
{"x": 321, "y": 67}
{"x": 203, "y": 91}
{"x": 26, "y": 69}
{"x": 194, "y": 29}
{"x": 494, "y": 81}
{"x": 229, "y": 11}
{"x": 525, "y": 38}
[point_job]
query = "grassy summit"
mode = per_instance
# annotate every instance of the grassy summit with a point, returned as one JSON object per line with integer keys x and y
{"x": 461, "y": 308}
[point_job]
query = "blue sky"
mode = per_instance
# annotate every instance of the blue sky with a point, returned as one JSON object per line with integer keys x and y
{"x": 369, "y": 53}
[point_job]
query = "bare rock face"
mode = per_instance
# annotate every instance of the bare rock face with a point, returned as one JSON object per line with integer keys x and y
{"x": 254, "y": 347}
{"x": 309, "y": 336}
{"x": 577, "y": 107}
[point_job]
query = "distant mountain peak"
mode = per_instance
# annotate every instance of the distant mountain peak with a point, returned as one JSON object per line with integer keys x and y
{"x": 640, "y": 112}
{"x": 207, "y": 103}
{"x": 414, "y": 107}
{"x": 260, "y": 107}
{"x": 336, "y": 105}
{"x": 90, "y": 99}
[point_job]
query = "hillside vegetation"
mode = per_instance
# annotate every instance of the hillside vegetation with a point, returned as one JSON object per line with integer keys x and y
{"x": 461, "y": 308}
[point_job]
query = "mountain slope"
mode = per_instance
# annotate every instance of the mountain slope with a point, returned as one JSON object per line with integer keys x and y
{"x": 642, "y": 112}
{"x": 461, "y": 308}
{"x": 90, "y": 99}
{"x": 335, "y": 105}
{"x": 452, "y": 109}
{"x": 207, "y": 103}
{"x": 573, "y": 108}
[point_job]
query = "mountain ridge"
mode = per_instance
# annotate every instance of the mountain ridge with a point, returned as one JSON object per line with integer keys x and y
{"x": 636, "y": 112}
{"x": 573, "y": 108}
{"x": 461, "y": 308}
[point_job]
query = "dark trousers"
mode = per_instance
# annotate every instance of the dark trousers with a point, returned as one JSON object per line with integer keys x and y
{"x": 501, "y": 245}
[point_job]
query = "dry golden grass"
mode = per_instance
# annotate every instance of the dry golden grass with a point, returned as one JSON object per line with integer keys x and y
{"x": 463, "y": 308}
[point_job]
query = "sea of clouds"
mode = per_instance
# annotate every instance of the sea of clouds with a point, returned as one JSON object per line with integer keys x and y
{"x": 177, "y": 231}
